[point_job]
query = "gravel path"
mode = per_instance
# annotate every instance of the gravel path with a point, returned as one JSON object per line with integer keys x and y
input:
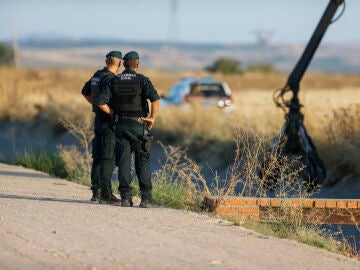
{"x": 48, "y": 223}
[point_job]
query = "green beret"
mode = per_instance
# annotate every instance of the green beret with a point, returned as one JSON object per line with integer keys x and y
{"x": 115, "y": 54}
{"x": 131, "y": 55}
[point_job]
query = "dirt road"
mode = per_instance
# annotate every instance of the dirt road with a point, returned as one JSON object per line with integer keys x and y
{"x": 48, "y": 223}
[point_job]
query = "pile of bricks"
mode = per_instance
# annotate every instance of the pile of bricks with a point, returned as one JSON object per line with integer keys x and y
{"x": 320, "y": 211}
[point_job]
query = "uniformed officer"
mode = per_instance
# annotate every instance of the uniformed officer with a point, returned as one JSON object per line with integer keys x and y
{"x": 128, "y": 95}
{"x": 104, "y": 139}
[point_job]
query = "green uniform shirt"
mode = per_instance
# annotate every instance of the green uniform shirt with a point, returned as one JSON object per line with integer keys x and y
{"x": 148, "y": 90}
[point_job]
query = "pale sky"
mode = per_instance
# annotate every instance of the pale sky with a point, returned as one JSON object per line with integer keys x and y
{"x": 226, "y": 21}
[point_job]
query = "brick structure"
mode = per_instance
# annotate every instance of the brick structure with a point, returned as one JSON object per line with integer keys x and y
{"x": 319, "y": 211}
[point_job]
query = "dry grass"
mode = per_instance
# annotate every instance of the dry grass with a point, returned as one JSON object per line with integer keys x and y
{"x": 332, "y": 117}
{"x": 25, "y": 92}
{"x": 341, "y": 145}
{"x": 288, "y": 221}
{"x": 28, "y": 92}
{"x": 331, "y": 110}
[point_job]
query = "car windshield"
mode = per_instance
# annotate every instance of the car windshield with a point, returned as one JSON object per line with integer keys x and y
{"x": 207, "y": 90}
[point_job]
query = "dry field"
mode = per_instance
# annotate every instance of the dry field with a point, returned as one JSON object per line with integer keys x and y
{"x": 25, "y": 92}
{"x": 332, "y": 107}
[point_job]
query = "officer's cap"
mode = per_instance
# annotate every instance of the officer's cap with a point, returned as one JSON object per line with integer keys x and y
{"x": 116, "y": 54}
{"x": 131, "y": 55}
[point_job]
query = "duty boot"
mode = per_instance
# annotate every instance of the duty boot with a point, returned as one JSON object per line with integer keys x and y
{"x": 109, "y": 200}
{"x": 150, "y": 203}
{"x": 127, "y": 202}
{"x": 96, "y": 195}
{"x": 113, "y": 198}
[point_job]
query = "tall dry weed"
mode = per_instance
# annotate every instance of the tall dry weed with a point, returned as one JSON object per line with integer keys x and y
{"x": 342, "y": 140}
{"x": 243, "y": 176}
{"x": 77, "y": 158}
{"x": 289, "y": 220}
{"x": 182, "y": 171}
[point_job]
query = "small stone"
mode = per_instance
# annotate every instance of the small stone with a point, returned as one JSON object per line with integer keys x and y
{"x": 1, "y": 218}
{"x": 238, "y": 223}
{"x": 216, "y": 262}
{"x": 54, "y": 232}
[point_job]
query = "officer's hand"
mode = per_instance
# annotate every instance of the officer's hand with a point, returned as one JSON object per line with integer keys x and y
{"x": 149, "y": 121}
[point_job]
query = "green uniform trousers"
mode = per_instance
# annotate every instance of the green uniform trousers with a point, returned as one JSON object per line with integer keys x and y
{"x": 103, "y": 156}
{"x": 129, "y": 135}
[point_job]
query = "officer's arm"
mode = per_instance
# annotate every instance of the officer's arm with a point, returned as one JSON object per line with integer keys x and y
{"x": 88, "y": 98}
{"x": 106, "y": 109}
{"x": 104, "y": 97}
{"x": 153, "y": 96}
{"x": 86, "y": 91}
{"x": 154, "y": 109}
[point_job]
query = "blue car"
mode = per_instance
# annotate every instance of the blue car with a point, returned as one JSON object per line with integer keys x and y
{"x": 181, "y": 89}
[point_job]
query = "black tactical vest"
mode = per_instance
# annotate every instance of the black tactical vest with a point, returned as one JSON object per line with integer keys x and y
{"x": 127, "y": 99}
{"x": 95, "y": 86}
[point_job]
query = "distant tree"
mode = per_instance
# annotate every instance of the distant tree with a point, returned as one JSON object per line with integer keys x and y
{"x": 7, "y": 55}
{"x": 225, "y": 66}
{"x": 263, "y": 67}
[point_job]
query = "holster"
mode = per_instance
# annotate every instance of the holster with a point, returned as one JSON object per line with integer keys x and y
{"x": 146, "y": 142}
{"x": 113, "y": 122}
{"x": 140, "y": 143}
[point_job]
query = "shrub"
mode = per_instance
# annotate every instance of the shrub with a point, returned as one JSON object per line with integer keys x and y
{"x": 7, "y": 55}
{"x": 262, "y": 67}
{"x": 225, "y": 66}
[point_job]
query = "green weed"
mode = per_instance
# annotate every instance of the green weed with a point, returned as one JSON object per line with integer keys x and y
{"x": 43, "y": 161}
{"x": 310, "y": 235}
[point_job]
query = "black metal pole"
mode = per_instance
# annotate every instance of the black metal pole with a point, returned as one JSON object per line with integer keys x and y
{"x": 304, "y": 61}
{"x": 298, "y": 142}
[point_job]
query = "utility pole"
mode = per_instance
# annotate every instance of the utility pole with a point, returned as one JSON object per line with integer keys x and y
{"x": 15, "y": 46}
{"x": 263, "y": 39}
{"x": 172, "y": 36}
{"x": 173, "y": 25}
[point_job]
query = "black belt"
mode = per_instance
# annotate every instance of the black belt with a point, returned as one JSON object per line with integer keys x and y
{"x": 134, "y": 118}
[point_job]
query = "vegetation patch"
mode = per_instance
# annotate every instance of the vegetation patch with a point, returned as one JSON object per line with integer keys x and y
{"x": 193, "y": 135}
{"x": 43, "y": 161}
